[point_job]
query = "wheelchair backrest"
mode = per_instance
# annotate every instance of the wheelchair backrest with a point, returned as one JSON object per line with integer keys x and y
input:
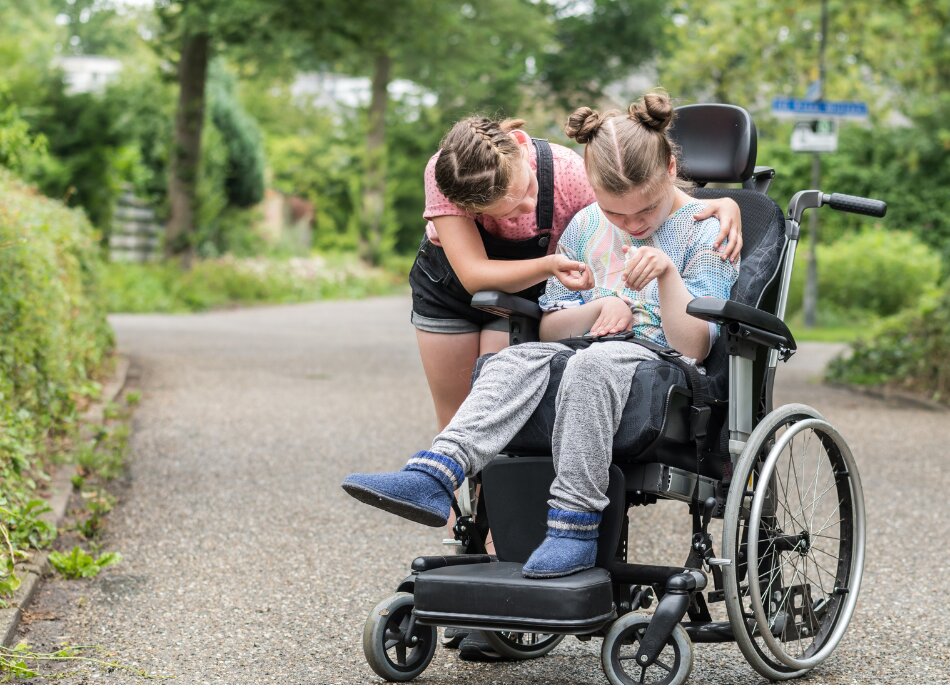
{"x": 718, "y": 144}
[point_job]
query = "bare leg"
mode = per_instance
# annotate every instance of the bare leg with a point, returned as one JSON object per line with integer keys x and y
{"x": 492, "y": 341}
{"x": 448, "y": 360}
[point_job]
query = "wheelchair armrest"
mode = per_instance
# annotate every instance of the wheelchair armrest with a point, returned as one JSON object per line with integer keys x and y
{"x": 504, "y": 304}
{"x": 744, "y": 322}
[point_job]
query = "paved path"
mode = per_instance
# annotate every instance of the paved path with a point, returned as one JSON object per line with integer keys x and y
{"x": 245, "y": 563}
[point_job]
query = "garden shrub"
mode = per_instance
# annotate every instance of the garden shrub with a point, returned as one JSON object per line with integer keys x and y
{"x": 871, "y": 273}
{"x": 53, "y": 330}
{"x": 910, "y": 350}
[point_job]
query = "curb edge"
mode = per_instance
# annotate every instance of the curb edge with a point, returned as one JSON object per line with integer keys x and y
{"x": 61, "y": 487}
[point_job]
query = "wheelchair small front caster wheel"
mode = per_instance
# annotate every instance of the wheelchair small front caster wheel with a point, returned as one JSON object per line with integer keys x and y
{"x": 518, "y": 645}
{"x": 618, "y": 654}
{"x": 395, "y": 645}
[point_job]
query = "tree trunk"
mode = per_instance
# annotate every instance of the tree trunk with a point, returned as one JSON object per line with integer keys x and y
{"x": 185, "y": 159}
{"x": 374, "y": 191}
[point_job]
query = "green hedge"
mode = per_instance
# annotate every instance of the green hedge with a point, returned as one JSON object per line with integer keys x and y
{"x": 910, "y": 350}
{"x": 867, "y": 274}
{"x": 53, "y": 329}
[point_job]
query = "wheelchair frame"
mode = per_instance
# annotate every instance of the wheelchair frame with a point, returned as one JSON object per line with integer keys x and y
{"x": 747, "y": 498}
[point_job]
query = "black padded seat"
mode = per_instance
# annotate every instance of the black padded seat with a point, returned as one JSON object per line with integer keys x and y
{"x": 497, "y": 596}
{"x": 642, "y": 417}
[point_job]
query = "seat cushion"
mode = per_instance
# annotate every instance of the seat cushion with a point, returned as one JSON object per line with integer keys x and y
{"x": 642, "y": 417}
{"x": 497, "y": 596}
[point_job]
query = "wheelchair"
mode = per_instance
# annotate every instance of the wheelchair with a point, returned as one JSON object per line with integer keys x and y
{"x": 783, "y": 483}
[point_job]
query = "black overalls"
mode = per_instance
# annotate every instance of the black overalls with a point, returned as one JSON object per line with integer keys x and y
{"x": 437, "y": 292}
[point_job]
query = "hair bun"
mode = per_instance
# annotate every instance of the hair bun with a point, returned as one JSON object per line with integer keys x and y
{"x": 583, "y": 124}
{"x": 654, "y": 110}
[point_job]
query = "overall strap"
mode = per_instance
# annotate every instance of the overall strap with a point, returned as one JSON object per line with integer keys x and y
{"x": 545, "y": 208}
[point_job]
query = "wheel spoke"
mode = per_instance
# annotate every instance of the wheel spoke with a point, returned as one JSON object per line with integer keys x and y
{"x": 824, "y": 525}
{"x": 815, "y": 506}
{"x": 833, "y": 524}
{"x": 401, "y": 654}
{"x": 663, "y": 666}
{"x": 814, "y": 497}
{"x": 643, "y": 674}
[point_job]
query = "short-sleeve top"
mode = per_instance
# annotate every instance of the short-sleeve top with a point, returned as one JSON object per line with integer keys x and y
{"x": 572, "y": 192}
{"x": 593, "y": 239}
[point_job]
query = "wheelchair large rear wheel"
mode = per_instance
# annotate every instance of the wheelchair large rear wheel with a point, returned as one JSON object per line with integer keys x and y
{"x": 395, "y": 645}
{"x": 794, "y": 531}
{"x": 518, "y": 645}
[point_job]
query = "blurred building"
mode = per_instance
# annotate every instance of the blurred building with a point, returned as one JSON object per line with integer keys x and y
{"x": 335, "y": 92}
{"x": 88, "y": 73}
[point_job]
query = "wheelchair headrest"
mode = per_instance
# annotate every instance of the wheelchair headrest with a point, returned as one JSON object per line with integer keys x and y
{"x": 717, "y": 142}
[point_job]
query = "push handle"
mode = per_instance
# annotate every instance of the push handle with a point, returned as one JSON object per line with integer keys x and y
{"x": 856, "y": 204}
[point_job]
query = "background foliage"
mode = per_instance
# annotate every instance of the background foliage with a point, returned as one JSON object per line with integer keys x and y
{"x": 359, "y": 163}
{"x": 53, "y": 337}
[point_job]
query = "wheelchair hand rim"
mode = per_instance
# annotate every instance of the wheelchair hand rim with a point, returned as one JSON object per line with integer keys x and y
{"x": 843, "y": 616}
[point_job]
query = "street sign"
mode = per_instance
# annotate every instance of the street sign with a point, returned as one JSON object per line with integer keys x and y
{"x": 838, "y": 110}
{"x": 815, "y": 136}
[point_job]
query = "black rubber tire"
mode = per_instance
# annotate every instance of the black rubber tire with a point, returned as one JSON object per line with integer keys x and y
{"x": 778, "y": 431}
{"x": 383, "y": 633}
{"x": 627, "y": 630}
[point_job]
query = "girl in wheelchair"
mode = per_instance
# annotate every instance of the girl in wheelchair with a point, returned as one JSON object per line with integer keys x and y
{"x": 646, "y": 257}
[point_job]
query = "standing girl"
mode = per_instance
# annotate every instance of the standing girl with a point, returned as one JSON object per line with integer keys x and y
{"x": 497, "y": 203}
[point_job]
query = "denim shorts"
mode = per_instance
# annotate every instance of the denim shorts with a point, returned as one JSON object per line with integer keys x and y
{"x": 439, "y": 302}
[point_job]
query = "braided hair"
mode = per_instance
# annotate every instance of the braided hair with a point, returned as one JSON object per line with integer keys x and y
{"x": 477, "y": 162}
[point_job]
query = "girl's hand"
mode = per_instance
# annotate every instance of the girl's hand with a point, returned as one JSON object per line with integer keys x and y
{"x": 615, "y": 317}
{"x": 643, "y": 265}
{"x": 730, "y": 223}
{"x": 574, "y": 275}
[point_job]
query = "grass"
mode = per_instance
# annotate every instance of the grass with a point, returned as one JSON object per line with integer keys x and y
{"x": 829, "y": 330}
{"x": 230, "y": 282}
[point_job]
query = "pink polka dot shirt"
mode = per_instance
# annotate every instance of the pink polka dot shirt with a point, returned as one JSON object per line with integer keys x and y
{"x": 572, "y": 192}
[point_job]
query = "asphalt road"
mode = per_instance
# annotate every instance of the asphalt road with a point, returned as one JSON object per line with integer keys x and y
{"x": 244, "y": 562}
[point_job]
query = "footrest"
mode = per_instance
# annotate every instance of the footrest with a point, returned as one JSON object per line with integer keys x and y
{"x": 496, "y": 596}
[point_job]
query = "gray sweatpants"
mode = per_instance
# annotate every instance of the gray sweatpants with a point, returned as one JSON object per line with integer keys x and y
{"x": 590, "y": 402}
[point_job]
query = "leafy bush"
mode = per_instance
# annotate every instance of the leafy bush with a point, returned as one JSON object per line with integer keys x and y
{"x": 910, "y": 350}
{"x": 245, "y": 173}
{"x": 53, "y": 336}
{"x": 871, "y": 273}
{"x": 77, "y": 563}
{"x": 229, "y": 281}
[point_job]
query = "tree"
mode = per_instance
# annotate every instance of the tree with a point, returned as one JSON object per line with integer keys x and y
{"x": 472, "y": 54}
{"x": 199, "y": 28}
{"x": 616, "y": 36}
{"x": 894, "y": 55}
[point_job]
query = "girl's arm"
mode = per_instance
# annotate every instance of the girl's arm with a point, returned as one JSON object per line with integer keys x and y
{"x": 730, "y": 224}
{"x": 603, "y": 316}
{"x": 685, "y": 333}
{"x": 466, "y": 253}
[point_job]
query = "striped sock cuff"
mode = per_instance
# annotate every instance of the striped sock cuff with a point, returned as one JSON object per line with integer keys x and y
{"x": 573, "y": 525}
{"x": 440, "y": 466}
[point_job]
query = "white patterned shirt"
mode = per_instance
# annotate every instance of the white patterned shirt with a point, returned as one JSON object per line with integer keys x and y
{"x": 590, "y": 237}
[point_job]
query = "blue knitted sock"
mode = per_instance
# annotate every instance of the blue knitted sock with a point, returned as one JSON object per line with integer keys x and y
{"x": 569, "y": 547}
{"x": 422, "y": 491}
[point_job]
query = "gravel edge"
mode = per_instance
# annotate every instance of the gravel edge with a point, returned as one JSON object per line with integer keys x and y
{"x": 33, "y": 571}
